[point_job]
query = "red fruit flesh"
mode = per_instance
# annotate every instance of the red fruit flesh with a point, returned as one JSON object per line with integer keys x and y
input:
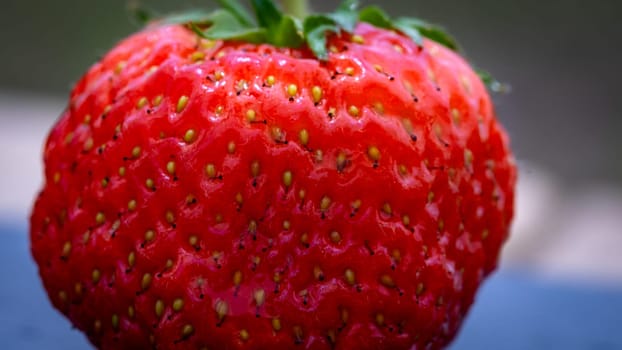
{"x": 231, "y": 196}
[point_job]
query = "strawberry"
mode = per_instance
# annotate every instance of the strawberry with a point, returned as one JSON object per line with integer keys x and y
{"x": 337, "y": 184}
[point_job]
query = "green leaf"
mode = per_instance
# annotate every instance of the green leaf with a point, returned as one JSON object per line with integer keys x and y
{"x": 493, "y": 84}
{"x": 223, "y": 25}
{"x": 195, "y": 16}
{"x": 411, "y": 31}
{"x": 268, "y": 15}
{"x": 238, "y": 11}
{"x": 317, "y": 20}
{"x": 440, "y": 36}
{"x": 282, "y": 30}
{"x": 414, "y": 22}
{"x": 315, "y": 29}
{"x": 288, "y": 33}
{"x": 316, "y": 40}
{"x": 374, "y": 15}
{"x": 252, "y": 35}
{"x": 430, "y": 31}
{"x": 346, "y": 15}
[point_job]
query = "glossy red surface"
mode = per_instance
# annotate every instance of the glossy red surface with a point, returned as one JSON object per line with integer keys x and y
{"x": 400, "y": 195}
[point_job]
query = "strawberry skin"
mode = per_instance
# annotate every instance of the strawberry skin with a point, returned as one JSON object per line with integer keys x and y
{"x": 218, "y": 195}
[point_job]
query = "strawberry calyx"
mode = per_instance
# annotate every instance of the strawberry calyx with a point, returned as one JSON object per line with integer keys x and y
{"x": 271, "y": 25}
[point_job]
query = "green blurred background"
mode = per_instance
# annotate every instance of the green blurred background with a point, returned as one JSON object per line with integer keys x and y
{"x": 561, "y": 57}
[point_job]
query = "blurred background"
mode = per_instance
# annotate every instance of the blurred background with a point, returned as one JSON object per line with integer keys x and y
{"x": 560, "y": 282}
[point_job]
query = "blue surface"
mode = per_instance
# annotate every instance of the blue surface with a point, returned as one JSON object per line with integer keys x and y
{"x": 512, "y": 311}
{"x": 516, "y": 312}
{"x": 27, "y": 319}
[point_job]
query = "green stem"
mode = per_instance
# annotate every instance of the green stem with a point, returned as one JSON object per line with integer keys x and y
{"x": 296, "y": 8}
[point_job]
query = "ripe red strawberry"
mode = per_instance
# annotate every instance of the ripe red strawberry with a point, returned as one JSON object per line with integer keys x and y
{"x": 230, "y": 195}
